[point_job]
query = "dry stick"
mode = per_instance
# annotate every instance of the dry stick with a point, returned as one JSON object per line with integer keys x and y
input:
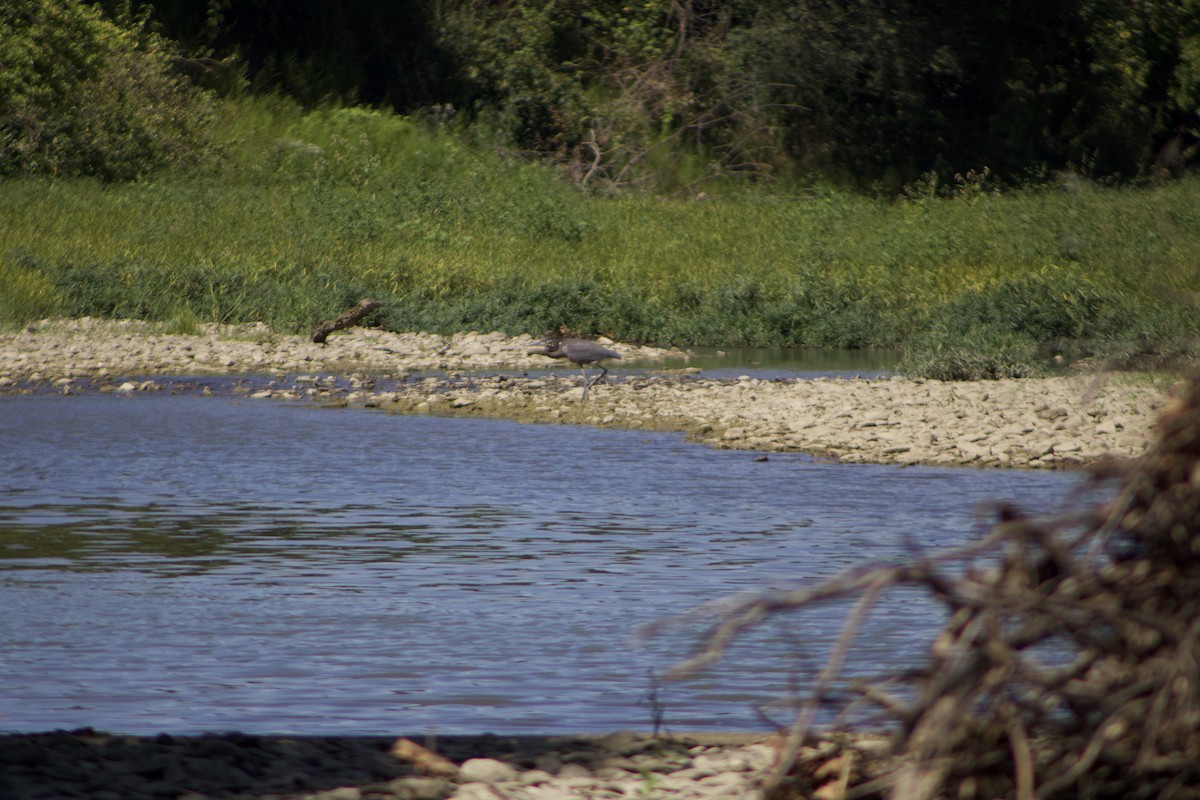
{"x": 1081, "y": 765}
{"x": 351, "y": 317}
{"x": 879, "y": 697}
{"x": 919, "y": 779}
{"x": 745, "y": 614}
{"x": 748, "y": 614}
{"x": 1166, "y": 692}
{"x": 1018, "y": 740}
{"x": 871, "y": 582}
{"x": 597, "y": 156}
{"x": 832, "y": 668}
{"x": 979, "y": 594}
{"x": 1116, "y": 513}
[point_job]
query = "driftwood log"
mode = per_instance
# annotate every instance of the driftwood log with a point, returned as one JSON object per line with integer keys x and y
{"x": 351, "y": 317}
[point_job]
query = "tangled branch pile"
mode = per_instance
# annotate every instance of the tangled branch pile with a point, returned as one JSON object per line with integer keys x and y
{"x": 1070, "y": 663}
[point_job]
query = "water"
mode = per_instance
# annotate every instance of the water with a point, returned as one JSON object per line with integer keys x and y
{"x": 190, "y": 564}
{"x": 769, "y": 363}
{"x": 764, "y": 363}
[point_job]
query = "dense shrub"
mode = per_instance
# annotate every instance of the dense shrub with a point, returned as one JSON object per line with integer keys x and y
{"x": 1044, "y": 308}
{"x": 81, "y": 95}
{"x": 1012, "y": 329}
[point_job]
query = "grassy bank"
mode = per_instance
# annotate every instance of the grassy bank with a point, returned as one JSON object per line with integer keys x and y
{"x": 308, "y": 213}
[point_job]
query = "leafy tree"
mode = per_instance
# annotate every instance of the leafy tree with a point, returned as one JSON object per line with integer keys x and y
{"x": 879, "y": 93}
{"x": 379, "y": 52}
{"x": 876, "y": 92}
{"x": 82, "y": 95}
{"x": 887, "y": 91}
{"x": 617, "y": 92}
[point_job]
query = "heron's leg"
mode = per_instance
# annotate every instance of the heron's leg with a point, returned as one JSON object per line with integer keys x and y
{"x": 586, "y": 384}
{"x": 603, "y": 376}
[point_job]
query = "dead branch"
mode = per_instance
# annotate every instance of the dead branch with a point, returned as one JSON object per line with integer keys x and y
{"x": 321, "y": 332}
{"x": 597, "y": 157}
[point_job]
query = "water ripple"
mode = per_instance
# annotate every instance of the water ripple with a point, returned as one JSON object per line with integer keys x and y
{"x": 190, "y": 564}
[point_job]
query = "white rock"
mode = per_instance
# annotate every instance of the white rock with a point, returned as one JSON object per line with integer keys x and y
{"x": 488, "y": 770}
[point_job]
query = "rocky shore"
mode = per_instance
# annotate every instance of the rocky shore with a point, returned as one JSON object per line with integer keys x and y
{"x": 1035, "y": 423}
{"x": 102, "y": 766}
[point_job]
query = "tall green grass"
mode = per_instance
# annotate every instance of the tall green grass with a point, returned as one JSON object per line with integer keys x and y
{"x": 308, "y": 212}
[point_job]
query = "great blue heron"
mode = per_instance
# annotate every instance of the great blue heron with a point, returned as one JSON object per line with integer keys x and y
{"x": 579, "y": 352}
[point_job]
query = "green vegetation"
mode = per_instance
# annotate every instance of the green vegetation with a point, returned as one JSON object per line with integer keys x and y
{"x": 654, "y": 93}
{"x": 81, "y": 95}
{"x": 311, "y": 211}
{"x": 128, "y": 191}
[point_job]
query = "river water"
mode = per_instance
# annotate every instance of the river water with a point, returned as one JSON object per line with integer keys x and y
{"x": 190, "y": 564}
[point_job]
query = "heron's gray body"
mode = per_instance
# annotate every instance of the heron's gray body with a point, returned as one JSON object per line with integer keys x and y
{"x": 579, "y": 352}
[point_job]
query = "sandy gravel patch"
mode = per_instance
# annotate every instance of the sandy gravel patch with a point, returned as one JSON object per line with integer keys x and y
{"x": 1037, "y": 423}
{"x": 92, "y": 348}
{"x": 1042, "y": 423}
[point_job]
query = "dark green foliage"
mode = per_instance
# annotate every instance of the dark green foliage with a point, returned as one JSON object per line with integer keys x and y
{"x": 637, "y": 94}
{"x": 735, "y": 314}
{"x": 643, "y": 94}
{"x": 874, "y": 94}
{"x": 884, "y": 92}
{"x": 1014, "y": 328}
{"x": 1044, "y": 309}
{"x": 985, "y": 353}
{"x": 369, "y": 51}
{"x": 80, "y": 95}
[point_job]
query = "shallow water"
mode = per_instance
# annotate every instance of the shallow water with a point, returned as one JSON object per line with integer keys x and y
{"x": 186, "y": 564}
{"x": 769, "y": 363}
